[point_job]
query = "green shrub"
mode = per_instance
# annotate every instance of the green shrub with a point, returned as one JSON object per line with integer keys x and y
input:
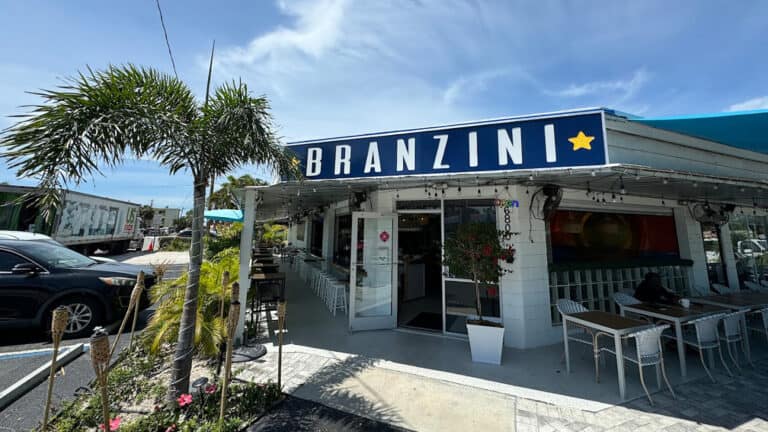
{"x": 174, "y": 244}
{"x": 228, "y": 237}
{"x": 163, "y": 327}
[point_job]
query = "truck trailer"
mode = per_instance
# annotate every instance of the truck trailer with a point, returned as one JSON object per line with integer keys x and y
{"x": 84, "y": 222}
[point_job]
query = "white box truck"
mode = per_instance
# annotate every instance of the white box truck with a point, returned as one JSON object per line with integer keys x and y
{"x": 84, "y": 222}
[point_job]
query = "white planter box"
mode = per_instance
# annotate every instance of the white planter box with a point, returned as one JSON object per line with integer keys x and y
{"x": 486, "y": 343}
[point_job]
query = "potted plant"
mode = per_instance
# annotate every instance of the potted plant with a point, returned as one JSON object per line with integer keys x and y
{"x": 476, "y": 251}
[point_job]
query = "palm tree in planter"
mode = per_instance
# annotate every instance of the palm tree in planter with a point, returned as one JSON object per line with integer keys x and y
{"x": 100, "y": 118}
{"x": 476, "y": 251}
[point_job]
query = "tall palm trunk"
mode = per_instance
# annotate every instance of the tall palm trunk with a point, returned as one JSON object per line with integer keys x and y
{"x": 182, "y": 361}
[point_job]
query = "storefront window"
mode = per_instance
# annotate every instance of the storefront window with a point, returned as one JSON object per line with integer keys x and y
{"x": 749, "y": 234}
{"x": 301, "y": 228}
{"x": 459, "y": 289}
{"x": 316, "y": 237}
{"x": 342, "y": 240}
{"x": 710, "y": 233}
{"x": 600, "y": 237}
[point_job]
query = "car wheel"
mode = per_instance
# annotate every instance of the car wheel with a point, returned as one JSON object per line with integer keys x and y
{"x": 84, "y": 315}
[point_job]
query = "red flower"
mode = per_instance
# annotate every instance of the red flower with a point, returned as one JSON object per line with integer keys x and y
{"x": 114, "y": 424}
{"x": 487, "y": 250}
{"x": 185, "y": 399}
{"x": 210, "y": 389}
{"x": 171, "y": 428}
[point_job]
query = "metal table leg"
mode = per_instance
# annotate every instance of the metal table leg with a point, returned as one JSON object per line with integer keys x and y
{"x": 680, "y": 348}
{"x": 565, "y": 345}
{"x": 620, "y": 365}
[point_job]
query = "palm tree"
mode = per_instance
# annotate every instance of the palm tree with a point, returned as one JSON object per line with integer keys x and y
{"x": 99, "y": 118}
{"x": 227, "y": 197}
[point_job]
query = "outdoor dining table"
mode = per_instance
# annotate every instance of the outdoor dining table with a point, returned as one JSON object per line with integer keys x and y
{"x": 675, "y": 315}
{"x": 744, "y": 300}
{"x": 614, "y": 325}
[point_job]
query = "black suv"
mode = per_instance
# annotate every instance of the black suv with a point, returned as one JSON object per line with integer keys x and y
{"x": 36, "y": 276}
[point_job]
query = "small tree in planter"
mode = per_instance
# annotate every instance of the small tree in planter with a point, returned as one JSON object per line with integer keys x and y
{"x": 476, "y": 251}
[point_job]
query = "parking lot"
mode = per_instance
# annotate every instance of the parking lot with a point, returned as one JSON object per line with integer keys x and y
{"x": 18, "y": 353}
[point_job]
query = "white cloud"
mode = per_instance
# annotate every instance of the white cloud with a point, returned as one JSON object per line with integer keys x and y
{"x": 625, "y": 88}
{"x": 751, "y": 104}
{"x": 466, "y": 86}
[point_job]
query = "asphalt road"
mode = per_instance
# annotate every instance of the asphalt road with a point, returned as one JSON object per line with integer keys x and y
{"x": 26, "y": 412}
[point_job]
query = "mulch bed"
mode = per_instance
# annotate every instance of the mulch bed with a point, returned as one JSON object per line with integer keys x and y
{"x": 300, "y": 415}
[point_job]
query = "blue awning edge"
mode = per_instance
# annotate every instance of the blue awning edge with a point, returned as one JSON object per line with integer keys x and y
{"x": 746, "y": 130}
{"x": 224, "y": 215}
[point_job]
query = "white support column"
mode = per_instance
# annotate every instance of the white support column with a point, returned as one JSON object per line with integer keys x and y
{"x": 729, "y": 260}
{"x": 246, "y": 243}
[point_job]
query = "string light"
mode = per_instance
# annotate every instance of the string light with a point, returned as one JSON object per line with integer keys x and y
{"x": 665, "y": 181}
{"x": 623, "y": 190}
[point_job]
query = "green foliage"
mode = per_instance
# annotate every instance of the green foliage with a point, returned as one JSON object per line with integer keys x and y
{"x": 210, "y": 328}
{"x": 475, "y": 251}
{"x": 101, "y": 118}
{"x": 228, "y": 237}
{"x": 229, "y": 195}
{"x": 173, "y": 244}
{"x": 183, "y": 222}
{"x": 131, "y": 381}
{"x": 146, "y": 213}
{"x": 274, "y": 234}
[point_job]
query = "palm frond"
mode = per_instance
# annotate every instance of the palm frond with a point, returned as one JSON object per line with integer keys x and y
{"x": 98, "y": 119}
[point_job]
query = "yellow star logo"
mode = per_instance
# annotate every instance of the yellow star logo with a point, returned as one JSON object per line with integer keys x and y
{"x": 295, "y": 162}
{"x": 581, "y": 141}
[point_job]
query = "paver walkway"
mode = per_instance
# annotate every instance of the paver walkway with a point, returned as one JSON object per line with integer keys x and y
{"x": 378, "y": 390}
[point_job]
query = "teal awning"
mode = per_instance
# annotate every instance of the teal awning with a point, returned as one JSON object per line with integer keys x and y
{"x": 747, "y": 130}
{"x": 224, "y": 215}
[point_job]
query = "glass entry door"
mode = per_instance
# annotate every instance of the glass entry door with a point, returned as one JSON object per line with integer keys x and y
{"x": 372, "y": 293}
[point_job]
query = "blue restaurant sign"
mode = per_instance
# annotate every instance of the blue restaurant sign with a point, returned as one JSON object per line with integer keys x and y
{"x": 574, "y": 139}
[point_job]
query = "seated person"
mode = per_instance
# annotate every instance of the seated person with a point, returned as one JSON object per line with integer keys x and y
{"x": 651, "y": 291}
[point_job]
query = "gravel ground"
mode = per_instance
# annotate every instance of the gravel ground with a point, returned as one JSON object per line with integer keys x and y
{"x": 300, "y": 415}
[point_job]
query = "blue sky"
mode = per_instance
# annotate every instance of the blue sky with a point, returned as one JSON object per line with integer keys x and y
{"x": 336, "y": 67}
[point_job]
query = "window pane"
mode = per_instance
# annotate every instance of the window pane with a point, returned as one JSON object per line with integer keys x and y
{"x": 316, "y": 237}
{"x": 460, "y": 303}
{"x": 459, "y": 212}
{"x": 750, "y": 248}
{"x": 715, "y": 266}
{"x": 343, "y": 240}
{"x": 8, "y": 260}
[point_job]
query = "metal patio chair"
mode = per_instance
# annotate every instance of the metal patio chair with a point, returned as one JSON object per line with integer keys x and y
{"x": 760, "y": 315}
{"x": 732, "y": 334}
{"x": 754, "y": 286}
{"x": 588, "y": 337}
{"x": 649, "y": 352}
{"x": 705, "y": 338}
{"x": 623, "y": 299}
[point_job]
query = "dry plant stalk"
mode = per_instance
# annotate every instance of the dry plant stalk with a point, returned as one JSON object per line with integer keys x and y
{"x": 160, "y": 269}
{"x": 224, "y": 284}
{"x": 234, "y": 314}
{"x": 59, "y": 321}
{"x": 133, "y": 306}
{"x": 138, "y": 290}
{"x": 100, "y": 356}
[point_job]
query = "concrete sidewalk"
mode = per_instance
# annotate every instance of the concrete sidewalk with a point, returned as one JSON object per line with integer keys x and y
{"x": 393, "y": 394}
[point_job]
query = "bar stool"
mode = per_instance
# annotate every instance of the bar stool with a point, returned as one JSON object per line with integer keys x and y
{"x": 338, "y": 295}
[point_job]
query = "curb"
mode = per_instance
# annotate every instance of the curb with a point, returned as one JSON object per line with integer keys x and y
{"x": 22, "y": 386}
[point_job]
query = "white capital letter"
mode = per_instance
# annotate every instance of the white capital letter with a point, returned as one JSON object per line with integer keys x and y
{"x": 442, "y": 140}
{"x": 406, "y": 155}
{"x": 513, "y": 147}
{"x": 473, "y": 149}
{"x": 314, "y": 161}
{"x": 549, "y": 142}
{"x": 343, "y": 153}
{"x": 372, "y": 160}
